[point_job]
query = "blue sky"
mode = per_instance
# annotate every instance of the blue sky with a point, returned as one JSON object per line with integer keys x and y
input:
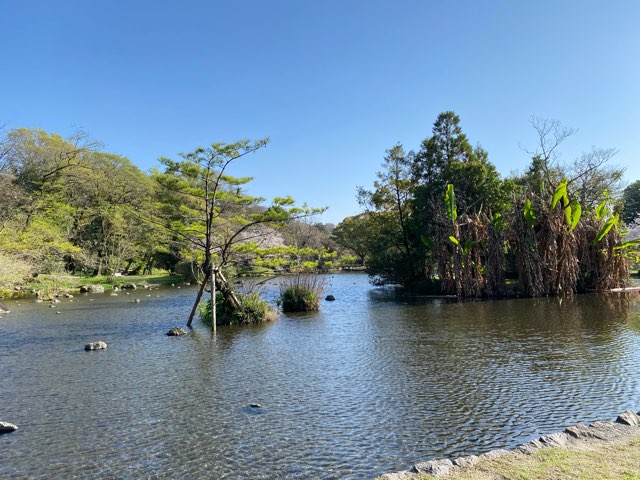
{"x": 333, "y": 83}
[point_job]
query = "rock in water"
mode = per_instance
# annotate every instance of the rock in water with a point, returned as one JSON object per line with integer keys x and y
{"x": 99, "y": 345}
{"x": 92, "y": 289}
{"x": 6, "y": 427}
{"x": 176, "y": 332}
{"x": 629, "y": 418}
{"x": 129, "y": 286}
{"x": 330, "y": 298}
{"x": 3, "y": 309}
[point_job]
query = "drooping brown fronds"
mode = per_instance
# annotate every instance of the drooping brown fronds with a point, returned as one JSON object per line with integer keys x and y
{"x": 470, "y": 256}
{"x": 545, "y": 252}
{"x": 602, "y": 267}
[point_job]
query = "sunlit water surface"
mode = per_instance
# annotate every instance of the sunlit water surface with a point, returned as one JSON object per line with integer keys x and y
{"x": 370, "y": 384}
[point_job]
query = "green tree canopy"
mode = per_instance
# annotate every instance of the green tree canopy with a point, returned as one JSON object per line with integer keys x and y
{"x": 631, "y": 202}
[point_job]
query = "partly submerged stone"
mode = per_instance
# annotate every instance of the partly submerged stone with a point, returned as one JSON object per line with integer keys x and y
{"x": 92, "y": 289}
{"x": 629, "y": 418}
{"x": 99, "y": 345}
{"x": 582, "y": 432}
{"x": 6, "y": 427}
{"x": 530, "y": 447}
{"x": 330, "y": 298}
{"x": 559, "y": 439}
{"x": 434, "y": 467}
{"x": 176, "y": 332}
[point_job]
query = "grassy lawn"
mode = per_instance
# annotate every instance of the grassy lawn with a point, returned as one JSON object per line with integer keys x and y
{"x": 71, "y": 283}
{"x": 597, "y": 461}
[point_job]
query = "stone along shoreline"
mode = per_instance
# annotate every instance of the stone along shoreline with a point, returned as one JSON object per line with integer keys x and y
{"x": 577, "y": 437}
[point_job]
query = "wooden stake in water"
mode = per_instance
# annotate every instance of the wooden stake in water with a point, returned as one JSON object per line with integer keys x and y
{"x": 213, "y": 299}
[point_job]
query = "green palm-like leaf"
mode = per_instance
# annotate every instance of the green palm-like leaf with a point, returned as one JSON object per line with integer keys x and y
{"x": 560, "y": 193}
{"x": 609, "y": 224}
{"x": 529, "y": 213}
{"x": 450, "y": 203}
{"x": 574, "y": 217}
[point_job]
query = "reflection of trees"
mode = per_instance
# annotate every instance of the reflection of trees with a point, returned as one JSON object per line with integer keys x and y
{"x": 473, "y": 373}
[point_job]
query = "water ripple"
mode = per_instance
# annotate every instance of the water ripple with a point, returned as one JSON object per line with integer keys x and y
{"x": 370, "y": 384}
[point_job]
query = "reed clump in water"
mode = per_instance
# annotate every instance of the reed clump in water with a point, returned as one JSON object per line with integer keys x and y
{"x": 253, "y": 310}
{"x": 558, "y": 249}
{"x": 302, "y": 292}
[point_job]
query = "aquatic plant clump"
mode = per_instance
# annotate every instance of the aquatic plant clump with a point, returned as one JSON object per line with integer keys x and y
{"x": 301, "y": 293}
{"x": 253, "y": 310}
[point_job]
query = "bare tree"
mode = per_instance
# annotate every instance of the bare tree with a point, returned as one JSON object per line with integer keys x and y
{"x": 589, "y": 176}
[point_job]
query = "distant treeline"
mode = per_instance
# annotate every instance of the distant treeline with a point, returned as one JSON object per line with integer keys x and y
{"x": 68, "y": 207}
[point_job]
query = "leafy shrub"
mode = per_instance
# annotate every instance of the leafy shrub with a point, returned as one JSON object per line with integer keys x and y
{"x": 301, "y": 293}
{"x": 13, "y": 272}
{"x": 254, "y": 310}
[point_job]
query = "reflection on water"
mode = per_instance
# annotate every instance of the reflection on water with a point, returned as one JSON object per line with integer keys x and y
{"x": 372, "y": 383}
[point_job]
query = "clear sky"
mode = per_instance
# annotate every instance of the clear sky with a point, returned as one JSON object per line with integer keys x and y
{"x": 333, "y": 83}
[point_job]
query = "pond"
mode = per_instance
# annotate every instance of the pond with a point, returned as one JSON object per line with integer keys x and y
{"x": 370, "y": 384}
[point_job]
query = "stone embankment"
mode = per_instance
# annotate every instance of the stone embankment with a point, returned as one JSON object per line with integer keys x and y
{"x": 575, "y": 437}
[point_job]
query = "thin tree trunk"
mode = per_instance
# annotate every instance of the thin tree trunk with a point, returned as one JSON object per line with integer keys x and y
{"x": 228, "y": 293}
{"x": 148, "y": 270}
{"x": 129, "y": 263}
{"x": 196, "y": 303}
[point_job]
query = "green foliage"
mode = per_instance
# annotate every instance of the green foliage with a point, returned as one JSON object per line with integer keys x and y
{"x": 608, "y": 225}
{"x": 468, "y": 244}
{"x": 254, "y": 310}
{"x": 601, "y": 209}
{"x": 355, "y": 233}
{"x": 450, "y": 203}
{"x": 499, "y": 223}
{"x": 529, "y": 213}
{"x": 393, "y": 245}
{"x": 427, "y": 242}
{"x": 13, "y": 272}
{"x": 301, "y": 293}
{"x": 631, "y": 202}
{"x": 560, "y": 194}
{"x": 573, "y": 217}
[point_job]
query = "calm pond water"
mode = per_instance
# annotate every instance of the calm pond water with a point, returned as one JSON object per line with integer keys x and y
{"x": 370, "y": 384}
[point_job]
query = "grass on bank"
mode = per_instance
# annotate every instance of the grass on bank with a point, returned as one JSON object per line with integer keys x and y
{"x": 598, "y": 461}
{"x": 61, "y": 283}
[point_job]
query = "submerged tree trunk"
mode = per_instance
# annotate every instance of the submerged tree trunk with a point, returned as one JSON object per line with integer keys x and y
{"x": 196, "y": 303}
{"x": 218, "y": 282}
